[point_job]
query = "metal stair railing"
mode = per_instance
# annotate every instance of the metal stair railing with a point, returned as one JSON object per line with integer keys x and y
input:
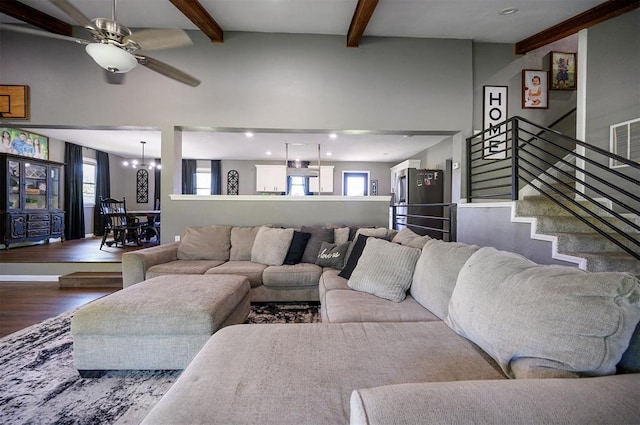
{"x": 518, "y": 151}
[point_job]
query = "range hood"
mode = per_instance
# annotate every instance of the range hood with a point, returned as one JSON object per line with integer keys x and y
{"x": 302, "y": 172}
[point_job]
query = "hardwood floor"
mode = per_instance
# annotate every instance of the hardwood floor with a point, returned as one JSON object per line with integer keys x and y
{"x": 23, "y": 304}
{"x": 78, "y": 250}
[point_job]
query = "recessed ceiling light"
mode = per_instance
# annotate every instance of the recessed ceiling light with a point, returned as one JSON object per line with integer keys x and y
{"x": 508, "y": 11}
{"x": 329, "y": 154}
{"x": 333, "y": 135}
{"x": 268, "y": 152}
{"x": 248, "y": 134}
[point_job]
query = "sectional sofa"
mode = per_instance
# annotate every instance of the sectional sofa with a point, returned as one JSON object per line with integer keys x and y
{"x": 446, "y": 333}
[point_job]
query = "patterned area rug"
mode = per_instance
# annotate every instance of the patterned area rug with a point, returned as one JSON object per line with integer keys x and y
{"x": 39, "y": 385}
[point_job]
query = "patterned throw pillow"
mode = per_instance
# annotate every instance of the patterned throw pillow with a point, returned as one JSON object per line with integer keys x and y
{"x": 332, "y": 255}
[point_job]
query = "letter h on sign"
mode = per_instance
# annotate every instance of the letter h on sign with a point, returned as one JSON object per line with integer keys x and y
{"x": 494, "y": 113}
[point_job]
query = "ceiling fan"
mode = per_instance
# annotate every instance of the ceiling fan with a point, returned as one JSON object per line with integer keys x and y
{"x": 115, "y": 48}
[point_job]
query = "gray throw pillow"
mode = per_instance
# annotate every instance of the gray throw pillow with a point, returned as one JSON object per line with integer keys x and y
{"x": 271, "y": 246}
{"x": 205, "y": 243}
{"x": 332, "y": 255}
{"x": 534, "y": 320}
{"x": 318, "y": 235}
{"x": 385, "y": 269}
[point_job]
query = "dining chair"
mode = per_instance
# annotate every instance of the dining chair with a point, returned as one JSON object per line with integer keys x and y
{"x": 122, "y": 227}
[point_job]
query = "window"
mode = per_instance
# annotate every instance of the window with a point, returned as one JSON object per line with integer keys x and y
{"x": 297, "y": 186}
{"x": 89, "y": 182}
{"x": 355, "y": 183}
{"x": 203, "y": 182}
{"x": 625, "y": 141}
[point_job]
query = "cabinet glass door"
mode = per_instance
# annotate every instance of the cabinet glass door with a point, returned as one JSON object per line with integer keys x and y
{"x": 14, "y": 185}
{"x": 55, "y": 188}
{"x": 35, "y": 186}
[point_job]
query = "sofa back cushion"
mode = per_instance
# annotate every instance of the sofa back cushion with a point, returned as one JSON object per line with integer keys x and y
{"x": 318, "y": 235}
{"x": 410, "y": 238}
{"x": 205, "y": 243}
{"x": 384, "y": 269}
{"x": 271, "y": 246}
{"x": 242, "y": 239}
{"x": 437, "y": 272}
{"x": 544, "y": 321}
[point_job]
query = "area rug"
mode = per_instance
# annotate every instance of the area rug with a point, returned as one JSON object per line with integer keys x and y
{"x": 39, "y": 385}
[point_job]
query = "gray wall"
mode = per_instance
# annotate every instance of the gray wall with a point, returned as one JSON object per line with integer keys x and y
{"x": 613, "y": 87}
{"x": 492, "y": 226}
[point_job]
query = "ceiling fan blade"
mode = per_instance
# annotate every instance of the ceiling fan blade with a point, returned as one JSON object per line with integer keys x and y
{"x": 74, "y": 13}
{"x": 167, "y": 70}
{"x": 156, "y": 39}
{"x": 26, "y": 30}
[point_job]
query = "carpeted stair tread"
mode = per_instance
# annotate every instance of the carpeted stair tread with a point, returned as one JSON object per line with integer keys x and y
{"x": 609, "y": 262}
{"x": 564, "y": 224}
{"x": 593, "y": 242}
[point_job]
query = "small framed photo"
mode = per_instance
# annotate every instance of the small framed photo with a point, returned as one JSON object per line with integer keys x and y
{"x": 535, "y": 89}
{"x": 564, "y": 72}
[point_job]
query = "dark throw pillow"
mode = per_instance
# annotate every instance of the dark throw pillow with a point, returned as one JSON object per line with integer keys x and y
{"x": 332, "y": 255}
{"x": 352, "y": 261}
{"x": 318, "y": 235}
{"x": 297, "y": 247}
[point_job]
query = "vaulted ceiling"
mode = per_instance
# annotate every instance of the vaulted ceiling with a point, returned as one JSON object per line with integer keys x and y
{"x": 535, "y": 23}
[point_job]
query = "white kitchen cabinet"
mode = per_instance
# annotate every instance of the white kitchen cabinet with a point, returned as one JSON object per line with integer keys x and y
{"x": 271, "y": 178}
{"x": 325, "y": 180}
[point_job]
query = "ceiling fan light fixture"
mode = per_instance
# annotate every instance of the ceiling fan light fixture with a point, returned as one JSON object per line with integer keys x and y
{"x": 111, "y": 58}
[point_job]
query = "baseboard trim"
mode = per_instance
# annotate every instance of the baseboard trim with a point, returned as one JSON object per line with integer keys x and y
{"x": 28, "y": 278}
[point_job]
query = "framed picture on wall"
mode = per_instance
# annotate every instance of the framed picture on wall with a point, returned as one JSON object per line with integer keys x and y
{"x": 24, "y": 143}
{"x": 564, "y": 72}
{"x": 535, "y": 89}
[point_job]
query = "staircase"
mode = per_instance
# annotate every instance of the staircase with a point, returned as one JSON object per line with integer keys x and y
{"x": 590, "y": 210}
{"x": 576, "y": 239}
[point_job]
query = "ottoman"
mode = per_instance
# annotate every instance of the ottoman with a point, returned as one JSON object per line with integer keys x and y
{"x": 160, "y": 323}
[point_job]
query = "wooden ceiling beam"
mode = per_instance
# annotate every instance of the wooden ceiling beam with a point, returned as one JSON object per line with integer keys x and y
{"x": 32, "y": 16}
{"x": 360, "y": 20}
{"x": 197, "y": 14}
{"x": 602, "y": 12}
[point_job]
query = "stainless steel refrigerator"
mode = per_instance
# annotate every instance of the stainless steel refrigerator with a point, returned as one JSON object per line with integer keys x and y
{"x": 417, "y": 187}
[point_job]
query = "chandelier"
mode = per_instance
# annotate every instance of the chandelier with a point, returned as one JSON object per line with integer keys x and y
{"x": 141, "y": 164}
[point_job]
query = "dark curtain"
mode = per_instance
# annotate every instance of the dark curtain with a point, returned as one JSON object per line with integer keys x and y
{"x": 156, "y": 187}
{"x": 189, "y": 176}
{"x": 216, "y": 177}
{"x": 73, "y": 205}
{"x": 103, "y": 190}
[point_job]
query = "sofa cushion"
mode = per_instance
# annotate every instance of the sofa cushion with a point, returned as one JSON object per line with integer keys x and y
{"x": 182, "y": 267}
{"x": 271, "y": 246}
{"x": 242, "y": 239}
{"x": 437, "y": 272}
{"x": 301, "y": 274}
{"x": 297, "y": 247}
{"x": 410, "y": 238}
{"x": 245, "y": 372}
{"x": 385, "y": 269}
{"x": 205, "y": 243}
{"x": 253, "y": 271}
{"x": 341, "y": 235}
{"x": 332, "y": 255}
{"x": 329, "y": 281}
{"x": 356, "y": 306}
{"x": 544, "y": 321}
{"x": 318, "y": 235}
{"x": 353, "y": 255}
{"x": 630, "y": 362}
